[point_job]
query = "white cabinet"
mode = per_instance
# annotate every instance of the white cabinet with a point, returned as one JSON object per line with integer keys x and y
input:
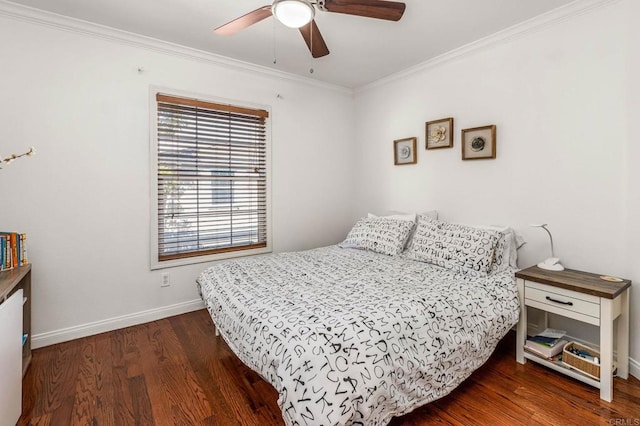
{"x": 15, "y": 340}
{"x": 11, "y": 359}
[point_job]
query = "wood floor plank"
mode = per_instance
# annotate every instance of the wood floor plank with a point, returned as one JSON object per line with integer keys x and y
{"x": 142, "y": 412}
{"x": 37, "y": 421}
{"x": 122, "y": 395}
{"x": 94, "y": 386}
{"x": 151, "y": 361}
{"x": 177, "y": 372}
{"x": 83, "y": 407}
{"x": 174, "y": 382}
{"x": 35, "y": 377}
{"x": 59, "y": 383}
{"x": 200, "y": 356}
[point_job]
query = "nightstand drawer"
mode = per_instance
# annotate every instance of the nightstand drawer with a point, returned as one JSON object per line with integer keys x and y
{"x": 562, "y": 300}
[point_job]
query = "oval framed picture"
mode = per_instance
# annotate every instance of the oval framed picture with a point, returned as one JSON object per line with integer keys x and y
{"x": 479, "y": 143}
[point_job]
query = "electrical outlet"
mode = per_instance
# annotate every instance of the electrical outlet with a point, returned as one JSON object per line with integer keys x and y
{"x": 166, "y": 280}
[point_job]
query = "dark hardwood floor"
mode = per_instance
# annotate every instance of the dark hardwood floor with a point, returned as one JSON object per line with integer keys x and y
{"x": 176, "y": 372}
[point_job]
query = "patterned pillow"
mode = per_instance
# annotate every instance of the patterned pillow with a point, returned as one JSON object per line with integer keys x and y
{"x": 382, "y": 235}
{"x": 501, "y": 256}
{"x": 507, "y": 250}
{"x": 456, "y": 247}
{"x": 509, "y": 241}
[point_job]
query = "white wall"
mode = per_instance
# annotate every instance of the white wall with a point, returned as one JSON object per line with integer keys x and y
{"x": 83, "y": 199}
{"x": 565, "y": 156}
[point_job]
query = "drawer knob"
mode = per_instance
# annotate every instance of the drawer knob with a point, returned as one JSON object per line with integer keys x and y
{"x": 559, "y": 301}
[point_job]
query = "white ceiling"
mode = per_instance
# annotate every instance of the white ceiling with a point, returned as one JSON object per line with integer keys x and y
{"x": 362, "y": 49}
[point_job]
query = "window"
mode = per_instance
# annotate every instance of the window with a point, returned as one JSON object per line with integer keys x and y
{"x": 211, "y": 180}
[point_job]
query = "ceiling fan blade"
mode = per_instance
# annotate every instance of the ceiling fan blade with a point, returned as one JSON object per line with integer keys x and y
{"x": 314, "y": 40}
{"x": 379, "y": 9}
{"x": 244, "y": 21}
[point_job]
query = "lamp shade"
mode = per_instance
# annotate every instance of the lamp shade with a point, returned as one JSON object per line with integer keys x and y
{"x": 293, "y": 13}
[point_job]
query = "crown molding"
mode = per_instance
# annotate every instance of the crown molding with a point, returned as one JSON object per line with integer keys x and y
{"x": 537, "y": 23}
{"x": 65, "y": 23}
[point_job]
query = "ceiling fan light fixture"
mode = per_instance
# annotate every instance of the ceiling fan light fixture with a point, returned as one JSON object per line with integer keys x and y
{"x": 293, "y": 13}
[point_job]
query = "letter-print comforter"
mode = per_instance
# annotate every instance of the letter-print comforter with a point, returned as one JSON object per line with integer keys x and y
{"x": 354, "y": 337}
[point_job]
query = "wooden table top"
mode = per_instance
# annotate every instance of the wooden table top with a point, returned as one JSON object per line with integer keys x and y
{"x": 582, "y": 282}
{"x": 9, "y": 279}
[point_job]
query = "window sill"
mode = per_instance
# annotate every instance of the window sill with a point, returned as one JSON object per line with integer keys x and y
{"x": 155, "y": 264}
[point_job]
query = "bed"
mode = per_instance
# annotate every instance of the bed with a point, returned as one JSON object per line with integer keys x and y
{"x": 349, "y": 335}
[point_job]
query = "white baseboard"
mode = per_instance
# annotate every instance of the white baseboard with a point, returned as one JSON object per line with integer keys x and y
{"x": 634, "y": 368}
{"x": 97, "y": 327}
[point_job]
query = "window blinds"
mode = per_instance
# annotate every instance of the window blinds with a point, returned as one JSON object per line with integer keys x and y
{"x": 212, "y": 179}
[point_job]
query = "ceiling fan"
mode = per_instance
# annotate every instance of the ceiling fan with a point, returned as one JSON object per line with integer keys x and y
{"x": 300, "y": 13}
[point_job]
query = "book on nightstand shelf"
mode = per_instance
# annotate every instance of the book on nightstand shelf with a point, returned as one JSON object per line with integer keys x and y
{"x": 547, "y": 344}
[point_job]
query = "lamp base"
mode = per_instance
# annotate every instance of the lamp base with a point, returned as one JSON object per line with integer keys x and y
{"x": 551, "y": 264}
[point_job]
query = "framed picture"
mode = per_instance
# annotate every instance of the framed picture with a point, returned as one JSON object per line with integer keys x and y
{"x": 439, "y": 133}
{"x": 479, "y": 143}
{"x": 404, "y": 151}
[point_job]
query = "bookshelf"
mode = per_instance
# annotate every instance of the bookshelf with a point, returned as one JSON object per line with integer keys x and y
{"x": 15, "y": 339}
{"x": 11, "y": 281}
{"x": 561, "y": 368}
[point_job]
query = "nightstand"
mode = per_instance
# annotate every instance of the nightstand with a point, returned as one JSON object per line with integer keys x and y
{"x": 584, "y": 297}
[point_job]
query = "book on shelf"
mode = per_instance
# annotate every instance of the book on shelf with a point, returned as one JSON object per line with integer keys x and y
{"x": 544, "y": 350}
{"x": 549, "y": 336}
{"x": 547, "y": 344}
{"x": 546, "y": 341}
{"x": 13, "y": 250}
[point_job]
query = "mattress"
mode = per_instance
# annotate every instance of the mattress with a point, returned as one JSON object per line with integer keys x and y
{"x": 349, "y": 336}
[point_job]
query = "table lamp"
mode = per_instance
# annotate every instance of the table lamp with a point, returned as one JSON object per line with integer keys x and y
{"x": 552, "y": 263}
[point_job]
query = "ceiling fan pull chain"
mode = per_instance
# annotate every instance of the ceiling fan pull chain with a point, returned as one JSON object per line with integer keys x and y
{"x": 275, "y": 57}
{"x": 311, "y": 24}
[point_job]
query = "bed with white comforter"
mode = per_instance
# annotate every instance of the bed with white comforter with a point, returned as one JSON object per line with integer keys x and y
{"x": 352, "y": 336}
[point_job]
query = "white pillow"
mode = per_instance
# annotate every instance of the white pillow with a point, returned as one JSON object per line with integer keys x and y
{"x": 392, "y": 214}
{"x": 378, "y": 234}
{"x": 400, "y": 216}
{"x": 433, "y": 214}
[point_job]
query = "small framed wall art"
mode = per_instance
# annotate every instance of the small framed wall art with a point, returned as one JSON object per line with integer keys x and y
{"x": 479, "y": 143}
{"x": 439, "y": 133}
{"x": 404, "y": 151}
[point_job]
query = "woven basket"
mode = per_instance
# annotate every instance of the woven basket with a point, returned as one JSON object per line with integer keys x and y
{"x": 583, "y": 365}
